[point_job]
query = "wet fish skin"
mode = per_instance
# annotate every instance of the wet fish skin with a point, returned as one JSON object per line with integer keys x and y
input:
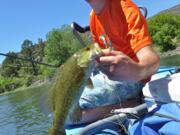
{"x": 70, "y": 82}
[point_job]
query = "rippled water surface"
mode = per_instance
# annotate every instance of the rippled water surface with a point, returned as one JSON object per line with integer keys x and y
{"x": 20, "y": 113}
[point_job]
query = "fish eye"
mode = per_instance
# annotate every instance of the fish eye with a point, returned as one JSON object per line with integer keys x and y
{"x": 87, "y": 48}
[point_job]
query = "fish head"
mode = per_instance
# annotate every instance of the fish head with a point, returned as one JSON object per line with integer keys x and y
{"x": 88, "y": 54}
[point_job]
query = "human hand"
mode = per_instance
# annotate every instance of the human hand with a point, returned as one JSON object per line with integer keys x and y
{"x": 118, "y": 66}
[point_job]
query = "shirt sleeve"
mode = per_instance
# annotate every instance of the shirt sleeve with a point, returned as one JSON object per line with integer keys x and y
{"x": 138, "y": 34}
{"x": 91, "y": 24}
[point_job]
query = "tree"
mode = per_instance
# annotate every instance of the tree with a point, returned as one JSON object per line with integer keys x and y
{"x": 27, "y": 46}
{"x": 165, "y": 29}
{"x": 28, "y": 53}
{"x": 164, "y": 38}
{"x": 10, "y": 66}
{"x": 60, "y": 45}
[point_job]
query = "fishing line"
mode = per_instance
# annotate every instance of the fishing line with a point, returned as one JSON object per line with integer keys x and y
{"x": 120, "y": 123}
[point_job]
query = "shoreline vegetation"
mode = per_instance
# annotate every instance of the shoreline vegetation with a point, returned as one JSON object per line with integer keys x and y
{"x": 170, "y": 53}
{"x": 38, "y": 85}
{"x": 60, "y": 44}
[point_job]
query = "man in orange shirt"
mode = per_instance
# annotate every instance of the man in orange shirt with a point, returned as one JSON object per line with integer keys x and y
{"x": 131, "y": 62}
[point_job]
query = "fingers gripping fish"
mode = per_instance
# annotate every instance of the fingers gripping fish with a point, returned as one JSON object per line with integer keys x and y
{"x": 70, "y": 82}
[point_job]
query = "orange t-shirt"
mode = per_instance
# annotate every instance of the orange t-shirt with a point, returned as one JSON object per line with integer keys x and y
{"x": 124, "y": 25}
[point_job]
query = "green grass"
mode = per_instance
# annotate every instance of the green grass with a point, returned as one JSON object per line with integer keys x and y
{"x": 41, "y": 86}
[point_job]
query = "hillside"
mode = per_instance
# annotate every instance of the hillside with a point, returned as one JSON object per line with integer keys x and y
{"x": 174, "y": 10}
{"x": 164, "y": 28}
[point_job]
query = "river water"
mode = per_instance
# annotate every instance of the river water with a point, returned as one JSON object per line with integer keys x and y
{"x": 21, "y": 114}
{"x": 171, "y": 60}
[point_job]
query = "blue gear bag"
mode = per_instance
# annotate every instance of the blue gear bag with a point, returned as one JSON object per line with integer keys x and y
{"x": 164, "y": 120}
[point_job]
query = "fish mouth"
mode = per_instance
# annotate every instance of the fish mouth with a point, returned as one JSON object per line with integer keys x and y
{"x": 92, "y": 58}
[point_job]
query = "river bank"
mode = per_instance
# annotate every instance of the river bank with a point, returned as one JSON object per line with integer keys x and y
{"x": 33, "y": 86}
{"x": 170, "y": 53}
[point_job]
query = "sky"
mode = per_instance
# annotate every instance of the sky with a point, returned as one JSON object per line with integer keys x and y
{"x": 33, "y": 19}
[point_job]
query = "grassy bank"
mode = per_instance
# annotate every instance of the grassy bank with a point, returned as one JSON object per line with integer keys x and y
{"x": 45, "y": 85}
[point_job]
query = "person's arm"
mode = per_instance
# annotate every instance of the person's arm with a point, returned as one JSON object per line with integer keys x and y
{"x": 149, "y": 62}
{"x": 120, "y": 67}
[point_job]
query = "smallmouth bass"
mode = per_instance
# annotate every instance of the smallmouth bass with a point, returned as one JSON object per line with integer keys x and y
{"x": 69, "y": 85}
